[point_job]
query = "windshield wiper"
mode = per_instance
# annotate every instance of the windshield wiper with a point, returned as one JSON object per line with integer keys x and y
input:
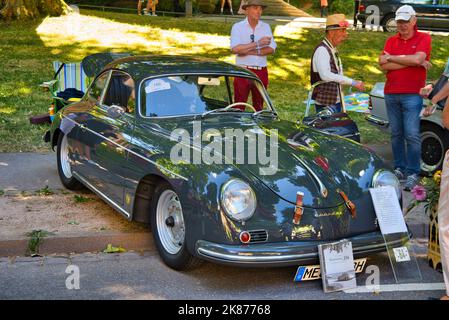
{"x": 219, "y": 110}
{"x": 271, "y": 112}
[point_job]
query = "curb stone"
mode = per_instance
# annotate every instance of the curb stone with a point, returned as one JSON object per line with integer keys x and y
{"x": 79, "y": 243}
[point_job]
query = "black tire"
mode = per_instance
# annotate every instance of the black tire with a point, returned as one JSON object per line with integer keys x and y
{"x": 67, "y": 179}
{"x": 387, "y": 22}
{"x": 181, "y": 260}
{"x": 434, "y": 143}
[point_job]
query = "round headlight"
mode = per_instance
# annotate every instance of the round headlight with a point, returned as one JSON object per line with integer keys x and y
{"x": 238, "y": 200}
{"x": 384, "y": 178}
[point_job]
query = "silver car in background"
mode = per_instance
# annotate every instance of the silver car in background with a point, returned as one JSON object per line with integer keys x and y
{"x": 434, "y": 137}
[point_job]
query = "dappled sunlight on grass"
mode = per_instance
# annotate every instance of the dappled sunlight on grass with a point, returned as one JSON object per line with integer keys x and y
{"x": 7, "y": 110}
{"x": 104, "y": 33}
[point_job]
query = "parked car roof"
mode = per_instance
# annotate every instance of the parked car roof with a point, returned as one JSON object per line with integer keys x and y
{"x": 140, "y": 67}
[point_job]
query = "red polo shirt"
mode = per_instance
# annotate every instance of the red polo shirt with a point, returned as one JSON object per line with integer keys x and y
{"x": 409, "y": 79}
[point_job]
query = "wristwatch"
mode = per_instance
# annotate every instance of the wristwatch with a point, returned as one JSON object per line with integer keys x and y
{"x": 388, "y": 58}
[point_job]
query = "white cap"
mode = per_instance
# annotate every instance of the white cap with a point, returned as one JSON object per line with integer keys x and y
{"x": 405, "y": 12}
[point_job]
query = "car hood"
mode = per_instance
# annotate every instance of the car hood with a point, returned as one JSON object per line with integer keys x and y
{"x": 317, "y": 164}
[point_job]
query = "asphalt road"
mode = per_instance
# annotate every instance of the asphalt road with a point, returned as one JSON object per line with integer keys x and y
{"x": 135, "y": 275}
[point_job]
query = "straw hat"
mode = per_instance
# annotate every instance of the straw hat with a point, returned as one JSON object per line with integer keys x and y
{"x": 336, "y": 21}
{"x": 249, "y": 3}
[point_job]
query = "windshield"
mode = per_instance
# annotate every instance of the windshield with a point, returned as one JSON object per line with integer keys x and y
{"x": 195, "y": 94}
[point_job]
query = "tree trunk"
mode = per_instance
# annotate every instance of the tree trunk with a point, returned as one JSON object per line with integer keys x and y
{"x": 31, "y": 9}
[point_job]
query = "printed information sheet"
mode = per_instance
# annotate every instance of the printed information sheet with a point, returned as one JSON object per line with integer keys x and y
{"x": 388, "y": 210}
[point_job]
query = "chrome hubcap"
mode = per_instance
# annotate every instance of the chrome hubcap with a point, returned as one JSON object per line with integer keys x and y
{"x": 170, "y": 222}
{"x": 432, "y": 152}
{"x": 391, "y": 25}
{"x": 64, "y": 157}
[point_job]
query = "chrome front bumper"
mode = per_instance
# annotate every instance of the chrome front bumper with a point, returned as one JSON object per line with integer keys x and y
{"x": 377, "y": 121}
{"x": 284, "y": 253}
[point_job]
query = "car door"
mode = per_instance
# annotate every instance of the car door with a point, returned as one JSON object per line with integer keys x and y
{"x": 86, "y": 139}
{"x": 112, "y": 124}
{"x": 441, "y": 21}
{"x": 425, "y": 12}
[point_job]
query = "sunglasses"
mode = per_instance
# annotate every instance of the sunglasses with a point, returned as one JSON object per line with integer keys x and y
{"x": 252, "y": 37}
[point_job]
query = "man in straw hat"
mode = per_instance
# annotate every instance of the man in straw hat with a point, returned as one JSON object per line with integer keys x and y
{"x": 326, "y": 66}
{"x": 405, "y": 59}
{"x": 252, "y": 41}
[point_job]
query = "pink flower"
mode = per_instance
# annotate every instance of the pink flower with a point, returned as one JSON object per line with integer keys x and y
{"x": 419, "y": 192}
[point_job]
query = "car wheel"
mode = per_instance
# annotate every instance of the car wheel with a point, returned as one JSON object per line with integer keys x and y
{"x": 389, "y": 24}
{"x": 64, "y": 166}
{"x": 433, "y": 148}
{"x": 169, "y": 229}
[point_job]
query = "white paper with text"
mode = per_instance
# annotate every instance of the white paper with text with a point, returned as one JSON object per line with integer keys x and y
{"x": 388, "y": 210}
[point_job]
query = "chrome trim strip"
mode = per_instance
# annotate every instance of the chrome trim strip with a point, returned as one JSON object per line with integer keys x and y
{"x": 279, "y": 258}
{"x": 102, "y": 195}
{"x": 242, "y": 258}
{"x": 130, "y": 151}
{"x": 323, "y": 189}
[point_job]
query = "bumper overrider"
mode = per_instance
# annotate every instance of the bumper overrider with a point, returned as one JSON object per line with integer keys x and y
{"x": 281, "y": 254}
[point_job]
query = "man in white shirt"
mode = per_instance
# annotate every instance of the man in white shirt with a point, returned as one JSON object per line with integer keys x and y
{"x": 326, "y": 66}
{"x": 252, "y": 41}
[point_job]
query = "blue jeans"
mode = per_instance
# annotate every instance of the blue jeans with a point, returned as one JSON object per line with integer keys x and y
{"x": 403, "y": 113}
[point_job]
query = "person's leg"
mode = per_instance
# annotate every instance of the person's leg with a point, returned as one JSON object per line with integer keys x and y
{"x": 356, "y": 10}
{"x": 412, "y": 105}
{"x": 322, "y": 12}
{"x": 256, "y": 96}
{"x": 222, "y": 6}
{"x": 394, "y": 111}
{"x": 148, "y": 7}
{"x": 139, "y": 7}
{"x": 443, "y": 222}
{"x": 241, "y": 90}
{"x": 153, "y": 6}
{"x": 230, "y": 6}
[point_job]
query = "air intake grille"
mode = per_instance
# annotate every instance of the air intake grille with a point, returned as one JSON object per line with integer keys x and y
{"x": 258, "y": 236}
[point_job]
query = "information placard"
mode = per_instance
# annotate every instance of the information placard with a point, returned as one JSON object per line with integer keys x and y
{"x": 395, "y": 233}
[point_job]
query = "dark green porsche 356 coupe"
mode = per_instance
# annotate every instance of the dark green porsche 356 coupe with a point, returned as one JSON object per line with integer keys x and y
{"x": 161, "y": 139}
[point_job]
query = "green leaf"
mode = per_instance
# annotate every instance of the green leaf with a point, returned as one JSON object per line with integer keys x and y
{"x": 111, "y": 249}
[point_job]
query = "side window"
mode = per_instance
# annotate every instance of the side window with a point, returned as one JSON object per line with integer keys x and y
{"x": 215, "y": 91}
{"x": 121, "y": 92}
{"x": 95, "y": 91}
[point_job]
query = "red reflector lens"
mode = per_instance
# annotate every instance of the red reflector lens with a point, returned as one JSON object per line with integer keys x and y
{"x": 361, "y": 8}
{"x": 245, "y": 237}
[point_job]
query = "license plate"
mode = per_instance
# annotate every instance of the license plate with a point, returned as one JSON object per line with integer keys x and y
{"x": 305, "y": 273}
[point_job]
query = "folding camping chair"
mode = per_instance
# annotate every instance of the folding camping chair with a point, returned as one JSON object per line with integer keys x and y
{"x": 68, "y": 85}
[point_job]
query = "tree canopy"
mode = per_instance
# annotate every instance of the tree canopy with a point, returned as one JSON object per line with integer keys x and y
{"x": 31, "y": 9}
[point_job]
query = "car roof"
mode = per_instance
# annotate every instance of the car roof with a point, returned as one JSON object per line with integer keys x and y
{"x": 140, "y": 67}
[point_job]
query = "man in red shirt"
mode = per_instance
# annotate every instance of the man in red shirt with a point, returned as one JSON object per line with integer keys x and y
{"x": 405, "y": 59}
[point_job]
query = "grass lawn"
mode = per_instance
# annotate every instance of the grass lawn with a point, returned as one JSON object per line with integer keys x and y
{"x": 28, "y": 48}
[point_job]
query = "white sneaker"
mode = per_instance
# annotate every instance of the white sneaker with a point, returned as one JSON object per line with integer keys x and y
{"x": 154, "y": 14}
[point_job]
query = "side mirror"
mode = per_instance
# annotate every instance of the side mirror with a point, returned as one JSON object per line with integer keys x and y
{"x": 115, "y": 111}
